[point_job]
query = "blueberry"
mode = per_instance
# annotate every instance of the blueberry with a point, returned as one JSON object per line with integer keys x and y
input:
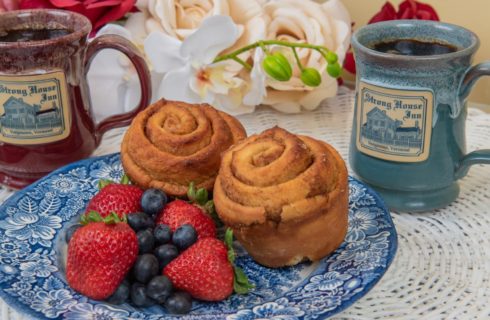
{"x": 145, "y": 268}
{"x": 162, "y": 233}
{"x": 179, "y": 303}
{"x": 140, "y": 221}
{"x": 159, "y": 288}
{"x": 146, "y": 241}
{"x": 139, "y": 296}
{"x": 166, "y": 253}
{"x": 153, "y": 201}
{"x": 184, "y": 236}
{"x": 121, "y": 294}
{"x": 70, "y": 231}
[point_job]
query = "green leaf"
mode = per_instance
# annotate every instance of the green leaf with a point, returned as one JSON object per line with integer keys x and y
{"x": 103, "y": 183}
{"x": 201, "y": 196}
{"x": 92, "y": 216}
{"x": 112, "y": 218}
{"x": 191, "y": 191}
{"x": 210, "y": 209}
{"x": 229, "y": 245}
{"x": 229, "y": 238}
{"x": 125, "y": 179}
{"x": 241, "y": 284}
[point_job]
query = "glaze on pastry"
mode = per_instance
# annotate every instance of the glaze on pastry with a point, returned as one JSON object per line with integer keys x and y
{"x": 171, "y": 144}
{"x": 284, "y": 196}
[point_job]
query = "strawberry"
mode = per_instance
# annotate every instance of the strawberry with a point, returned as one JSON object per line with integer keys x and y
{"x": 179, "y": 212}
{"x": 206, "y": 270}
{"x": 100, "y": 254}
{"x": 115, "y": 197}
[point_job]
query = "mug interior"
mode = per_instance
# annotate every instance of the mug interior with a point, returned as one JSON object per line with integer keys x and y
{"x": 426, "y": 31}
{"x": 78, "y": 24}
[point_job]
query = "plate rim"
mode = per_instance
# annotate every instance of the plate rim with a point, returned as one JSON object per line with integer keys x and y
{"x": 13, "y": 303}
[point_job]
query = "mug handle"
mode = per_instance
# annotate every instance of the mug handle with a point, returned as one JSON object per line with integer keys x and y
{"x": 125, "y": 46}
{"x": 479, "y": 156}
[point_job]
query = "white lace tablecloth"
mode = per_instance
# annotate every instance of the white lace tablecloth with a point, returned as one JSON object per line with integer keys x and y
{"x": 442, "y": 267}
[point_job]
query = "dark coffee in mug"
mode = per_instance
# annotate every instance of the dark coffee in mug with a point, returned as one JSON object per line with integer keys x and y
{"x": 414, "y": 47}
{"x": 32, "y": 34}
{"x": 46, "y": 118}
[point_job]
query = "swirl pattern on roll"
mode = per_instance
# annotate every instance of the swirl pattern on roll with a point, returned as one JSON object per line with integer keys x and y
{"x": 171, "y": 144}
{"x": 285, "y": 196}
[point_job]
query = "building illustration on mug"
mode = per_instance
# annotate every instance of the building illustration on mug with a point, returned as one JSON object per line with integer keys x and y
{"x": 23, "y": 116}
{"x": 380, "y": 127}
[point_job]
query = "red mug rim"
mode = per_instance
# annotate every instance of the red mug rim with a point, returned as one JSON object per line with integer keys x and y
{"x": 72, "y": 16}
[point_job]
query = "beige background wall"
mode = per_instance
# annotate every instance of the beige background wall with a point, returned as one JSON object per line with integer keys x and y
{"x": 472, "y": 14}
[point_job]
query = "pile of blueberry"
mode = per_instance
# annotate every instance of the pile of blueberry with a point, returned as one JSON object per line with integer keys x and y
{"x": 158, "y": 246}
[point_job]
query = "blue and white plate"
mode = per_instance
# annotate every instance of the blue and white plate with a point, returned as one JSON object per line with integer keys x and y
{"x": 33, "y": 223}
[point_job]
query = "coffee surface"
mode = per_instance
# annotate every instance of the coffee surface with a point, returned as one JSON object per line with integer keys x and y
{"x": 25, "y": 35}
{"x": 412, "y": 47}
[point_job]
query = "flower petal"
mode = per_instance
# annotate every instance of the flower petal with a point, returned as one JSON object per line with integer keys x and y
{"x": 175, "y": 86}
{"x": 257, "y": 91}
{"x": 115, "y": 29}
{"x": 312, "y": 99}
{"x": 164, "y": 52}
{"x": 136, "y": 26}
{"x": 215, "y": 34}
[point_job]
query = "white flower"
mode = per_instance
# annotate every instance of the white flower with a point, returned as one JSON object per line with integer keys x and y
{"x": 53, "y": 303}
{"x": 326, "y": 24}
{"x": 40, "y": 268}
{"x": 189, "y": 72}
{"x": 257, "y": 91}
{"x": 181, "y": 18}
{"x": 85, "y": 311}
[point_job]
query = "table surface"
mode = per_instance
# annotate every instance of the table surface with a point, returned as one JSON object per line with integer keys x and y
{"x": 442, "y": 267}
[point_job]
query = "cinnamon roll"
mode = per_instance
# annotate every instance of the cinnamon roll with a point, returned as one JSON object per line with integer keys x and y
{"x": 171, "y": 144}
{"x": 285, "y": 197}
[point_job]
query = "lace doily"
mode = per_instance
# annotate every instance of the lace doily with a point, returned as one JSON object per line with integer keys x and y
{"x": 442, "y": 267}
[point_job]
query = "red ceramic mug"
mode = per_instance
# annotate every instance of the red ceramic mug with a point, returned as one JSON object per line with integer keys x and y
{"x": 46, "y": 118}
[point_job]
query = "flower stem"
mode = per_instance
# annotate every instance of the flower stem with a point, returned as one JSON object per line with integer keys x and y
{"x": 263, "y": 43}
{"x": 245, "y": 64}
{"x": 297, "y": 59}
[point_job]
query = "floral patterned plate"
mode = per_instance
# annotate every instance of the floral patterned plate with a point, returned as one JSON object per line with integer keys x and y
{"x": 33, "y": 223}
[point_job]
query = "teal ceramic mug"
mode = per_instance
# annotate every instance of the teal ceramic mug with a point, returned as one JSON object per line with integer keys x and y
{"x": 408, "y": 137}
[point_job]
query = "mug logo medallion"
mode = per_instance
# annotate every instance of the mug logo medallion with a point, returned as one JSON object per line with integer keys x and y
{"x": 394, "y": 124}
{"x": 34, "y": 108}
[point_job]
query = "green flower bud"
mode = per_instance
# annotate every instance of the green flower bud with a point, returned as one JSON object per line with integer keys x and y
{"x": 334, "y": 70}
{"x": 311, "y": 77}
{"x": 277, "y": 67}
{"x": 331, "y": 57}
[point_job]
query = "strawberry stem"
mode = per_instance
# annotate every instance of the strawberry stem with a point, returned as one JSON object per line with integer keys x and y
{"x": 241, "y": 284}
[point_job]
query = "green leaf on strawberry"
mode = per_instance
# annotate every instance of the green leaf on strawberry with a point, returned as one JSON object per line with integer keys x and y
{"x": 241, "y": 284}
{"x": 191, "y": 192}
{"x": 125, "y": 179}
{"x": 104, "y": 183}
{"x": 200, "y": 197}
{"x": 94, "y": 216}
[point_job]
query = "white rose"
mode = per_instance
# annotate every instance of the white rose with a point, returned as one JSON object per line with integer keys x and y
{"x": 180, "y": 18}
{"x": 305, "y": 21}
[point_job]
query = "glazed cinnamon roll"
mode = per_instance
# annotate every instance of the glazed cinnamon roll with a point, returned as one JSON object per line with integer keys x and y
{"x": 171, "y": 144}
{"x": 284, "y": 196}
